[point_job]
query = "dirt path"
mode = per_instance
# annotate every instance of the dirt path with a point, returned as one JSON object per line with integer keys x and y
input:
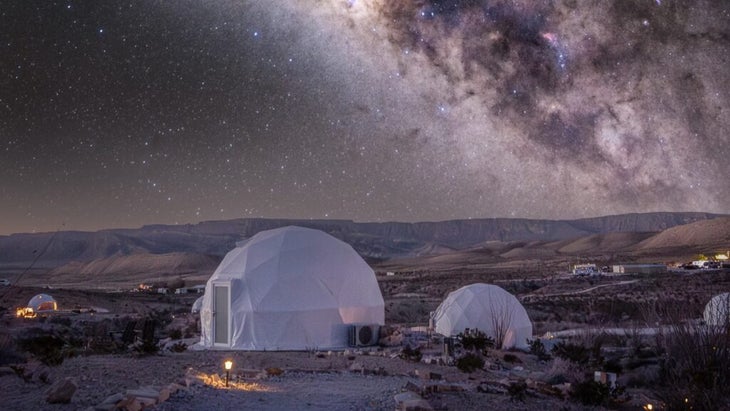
{"x": 586, "y": 290}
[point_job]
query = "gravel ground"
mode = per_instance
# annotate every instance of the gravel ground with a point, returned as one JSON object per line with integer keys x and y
{"x": 295, "y": 391}
{"x": 309, "y": 381}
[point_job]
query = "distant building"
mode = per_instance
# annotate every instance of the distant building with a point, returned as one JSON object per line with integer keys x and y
{"x": 162, "y": 290}
{"x": 197, "y": 289}
{"x": 181, "y": 290}
{"x": 640, "y": 268}
{"x": 586, "y": 269}
{"x": 699, "y": 263}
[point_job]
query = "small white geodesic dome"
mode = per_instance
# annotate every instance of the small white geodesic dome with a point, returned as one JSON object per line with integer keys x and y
{"x": 489, "y": 309}
{"x": 197, "y": 305}
{"x": 290, "y": 288}
{"x": 717, "y": 310}
{"x": 42, "y": 302}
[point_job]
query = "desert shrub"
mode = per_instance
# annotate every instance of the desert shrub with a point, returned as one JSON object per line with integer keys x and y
{"x": 8, "y": 353}
{"x": 190, "y": 331}
{"x": 145, "y": 347}
{"x": 175, "y": 334}
{"x": 410, "y": 354}
{"x": 537, "y": 348}
{"x": 274, "y": 371}
{"x": 695, "y": 369}
{"x": 179, "y": 347}
{"x": 517, "y": 390}
{"x": 511, "y": 358}
{"x": 469, "y": 362}
{"x": 562, "y": 370}
{"x": 64, "y": 321}
{"x": 646, "y": 352}
{"x": 49, "y": 349}
{"x": 633, "y": 364}
{"x": 590, "y": 392}
{"x": 575, "y": 353}
{"x": 148, "y": 343}
{"x": 476, "y": 340}
{"x": 613, "y": 365}
{"x": 557, "y": 379}
{"x": 643, "y": 377}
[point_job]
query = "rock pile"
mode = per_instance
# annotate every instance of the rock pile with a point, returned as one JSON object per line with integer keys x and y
{"x": 137, "y": 399}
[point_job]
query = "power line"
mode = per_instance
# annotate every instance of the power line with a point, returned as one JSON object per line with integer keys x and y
{"x": 37, "y": 257}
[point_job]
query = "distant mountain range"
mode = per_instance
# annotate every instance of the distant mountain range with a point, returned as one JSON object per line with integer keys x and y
{"x": 167, "y": 250}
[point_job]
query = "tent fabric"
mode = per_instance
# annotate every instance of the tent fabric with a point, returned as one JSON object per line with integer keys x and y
{"x": 42, "y": 302}
{"x": 489, "y": 309}
{"x": 717, "y": 310}
{"x": 293, "y": 288}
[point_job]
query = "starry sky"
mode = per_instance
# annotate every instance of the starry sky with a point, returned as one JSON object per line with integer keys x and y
{"x": 123, "y": 113}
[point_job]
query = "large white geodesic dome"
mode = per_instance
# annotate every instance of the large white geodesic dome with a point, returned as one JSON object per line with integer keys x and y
{"x": 290, "y": 288}
{"x": 489, "y": 309}
{"x": 717, "y": 310}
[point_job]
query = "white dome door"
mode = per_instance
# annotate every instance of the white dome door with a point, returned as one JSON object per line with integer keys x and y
{"x": 221, "y": 314}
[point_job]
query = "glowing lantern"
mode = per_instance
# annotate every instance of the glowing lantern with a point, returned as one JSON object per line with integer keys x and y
{"x": 228, "y": 364}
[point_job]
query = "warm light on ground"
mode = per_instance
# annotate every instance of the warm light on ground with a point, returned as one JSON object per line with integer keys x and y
{"x": 216, "y": 381}
{"x": 25, "y": 312}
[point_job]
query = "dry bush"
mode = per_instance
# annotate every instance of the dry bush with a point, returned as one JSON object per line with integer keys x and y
{"x": 695, "y": 367}
{"x": 694, "y": 362}
{"x": 469, "y": 362}
{"x": 563, "y": 371}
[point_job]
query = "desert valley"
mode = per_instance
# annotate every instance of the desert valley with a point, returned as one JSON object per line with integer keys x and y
{"x": 123, "y": 336}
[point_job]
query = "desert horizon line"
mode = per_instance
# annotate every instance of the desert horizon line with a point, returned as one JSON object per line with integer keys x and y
{"x": 62, "y": 228}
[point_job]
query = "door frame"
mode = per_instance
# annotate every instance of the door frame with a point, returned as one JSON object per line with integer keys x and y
{"x": 227, "y": 284}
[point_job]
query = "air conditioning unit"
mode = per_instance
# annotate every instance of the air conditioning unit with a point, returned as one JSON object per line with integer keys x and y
{"x": 363, "y": 335}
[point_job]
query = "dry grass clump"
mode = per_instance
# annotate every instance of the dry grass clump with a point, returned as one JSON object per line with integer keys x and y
{"x": 695, "y": 367}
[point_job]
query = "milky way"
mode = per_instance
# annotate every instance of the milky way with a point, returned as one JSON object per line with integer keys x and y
{"x": 127, "y": 113}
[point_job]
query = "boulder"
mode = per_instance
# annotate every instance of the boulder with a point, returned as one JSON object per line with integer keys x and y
{"x": 41, "y": 374}
{"x": 110, "y": 403}
{"x": 491, "y": 388}
{"x": 357, "y": 367}
{"x": 413, "y": 388}
{"x": 147, "y": 402}
{"x": 410, "y": 401}
{"x": 61, "y": 391}
{"x": 164, "y": 395}
{"x": 129, "y": 404}
{"x": 144, "y": 392}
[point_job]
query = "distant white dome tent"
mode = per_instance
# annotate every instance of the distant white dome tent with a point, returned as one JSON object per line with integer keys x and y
{"x": 290, "y": 288}
{"x": 197, "y": 305}
{"x": 717, "y": 310}
{"x": 42, "y": 303}
{"x": 489, "y": 309}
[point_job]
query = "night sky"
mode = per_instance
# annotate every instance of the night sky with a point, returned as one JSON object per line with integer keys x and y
{"x": 118, "y": 114}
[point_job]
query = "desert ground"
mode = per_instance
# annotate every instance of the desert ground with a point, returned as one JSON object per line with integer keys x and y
{"x": 89, "y": 324}
{"x": 110, "y": 346}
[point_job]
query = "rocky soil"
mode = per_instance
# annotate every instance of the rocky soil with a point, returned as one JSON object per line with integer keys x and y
{"x": 295, "y": 380}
